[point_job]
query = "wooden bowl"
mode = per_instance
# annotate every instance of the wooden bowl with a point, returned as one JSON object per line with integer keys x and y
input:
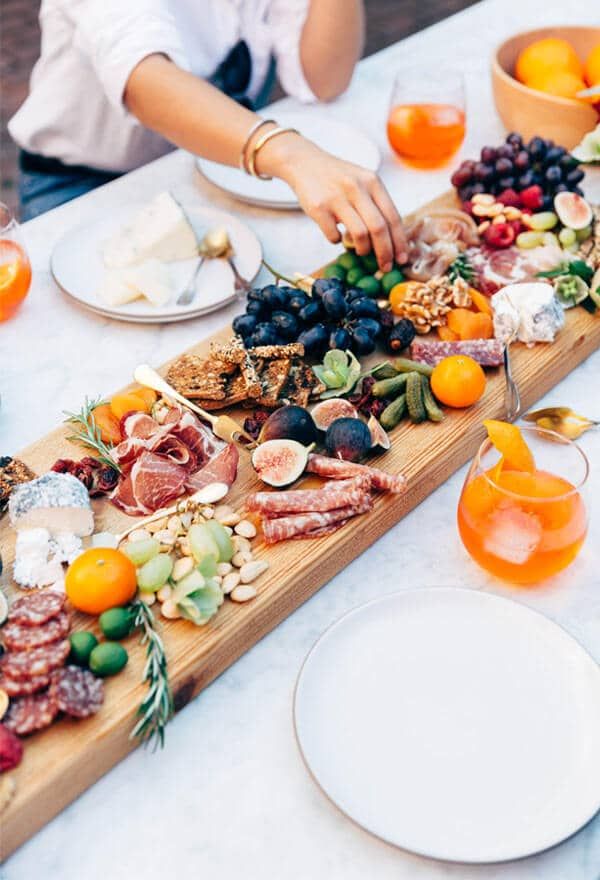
{"x": 530, "y": 112}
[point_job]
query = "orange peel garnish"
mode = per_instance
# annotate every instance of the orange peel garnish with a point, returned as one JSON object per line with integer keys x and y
{"x": 508, "y": 440}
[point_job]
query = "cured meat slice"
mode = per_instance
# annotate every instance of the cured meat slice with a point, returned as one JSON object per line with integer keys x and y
{"x": 338, "y": 469}
{"x": 36, "y": 608}
{"x": 24, "y": 638}
{"x": 352, "y": 492}
{"x": 323, "y": 531}
{"x": 151, "y": 484}
{"x": 21, "y": 687}
{"x": 220, "y": 469}
{"x": 487, "y": 352}
{"x": 27, "y": 714}
{"x": 285, "y": 527}
{"x": 497, "y": 267}
{"x": 197, "y": 437}
{"x": 38, "y": 661}
{"x": 77, "y": 691}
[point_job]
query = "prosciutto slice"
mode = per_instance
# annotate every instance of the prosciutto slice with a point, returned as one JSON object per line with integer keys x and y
{"x": 338, "y": 469}
{"x": 220, "y": 469}
{"x": 347, "y": 493}
{"x": 151, "y": 484}
{"x": 497, "y": 267}
{"x": 311, "y": 524}
{"x": 435, "y": 240}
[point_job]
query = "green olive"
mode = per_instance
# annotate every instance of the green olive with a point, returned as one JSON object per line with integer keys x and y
{"x": 116, "y": 623}
{"x": 82, "y": 645}
{"x": 334, "y": 271}
{"x": 354, "y": 276}
{"x": 370, "y": 285}
{"x": 390, "y": 279}
{"x": 108, "y": 658}
{"x": 348, "y": 260}
{"x": 370, "y": 263}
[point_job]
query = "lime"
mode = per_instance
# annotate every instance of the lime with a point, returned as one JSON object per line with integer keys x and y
{"x": 390, "y": 279}
{"x": 354, "y": 276}
{"x": 370, "y": 285}
{"x": 348, "y": 260}
{"x": 116, "y": 623}
{"x": 108, "y": 658}
{"x": 334, "y": 271}
{"x": 82, "y": 645}
{"x": 370, "y": 263}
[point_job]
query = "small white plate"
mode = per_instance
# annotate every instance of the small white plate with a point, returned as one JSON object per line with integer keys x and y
{"x": 78, "y": 268}
{"x": 456, "y": 724}
{"x": 338, "y": 138}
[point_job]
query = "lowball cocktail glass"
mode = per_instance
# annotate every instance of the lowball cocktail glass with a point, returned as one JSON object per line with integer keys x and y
{"x": 524, "y": 527}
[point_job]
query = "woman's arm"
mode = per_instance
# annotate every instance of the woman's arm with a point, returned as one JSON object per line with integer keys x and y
{"x": 331, "y": 44}
{"x": 198, "y": 117}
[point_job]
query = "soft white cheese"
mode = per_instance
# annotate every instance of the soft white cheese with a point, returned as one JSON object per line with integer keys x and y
{"x": 150, "y": 279}
{"x": 527, "y": 311}
{"x": 66, "y": 547}
{"x": 160, "y": 230}
{"x": 39, "y": 556}
{"x": 114, "y": 289}
{"x": 56, "y": 502}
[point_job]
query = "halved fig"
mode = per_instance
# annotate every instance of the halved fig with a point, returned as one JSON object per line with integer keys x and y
{"x": 280, "y": 462}
{"x": 573, "y": 210}
{"x": 379, "y": 437}
{"x": 289, "y": 423}
{"x": 327, "y": 411}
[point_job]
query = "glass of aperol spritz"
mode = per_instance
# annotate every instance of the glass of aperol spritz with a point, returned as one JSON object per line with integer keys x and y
{"x": 15, "y": 269}
{"x": 525, "y": 522}
{"x": 426, "y": 122}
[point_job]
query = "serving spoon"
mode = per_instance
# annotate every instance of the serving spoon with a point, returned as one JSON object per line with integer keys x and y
{"x": 215, "y": 245}
{"x": 512, "y": 398}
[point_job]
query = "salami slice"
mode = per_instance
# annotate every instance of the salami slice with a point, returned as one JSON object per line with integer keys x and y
{"x": 339, "y": 470}
{"x": 38, "y": 661}
{"x": 285, "y": 527}
{"x": 36, "y": 608}
{"x": 25, "y": 638}
{"x": 27, "y": 714}
{"x": 346, "y": 494}
{"x": 323, "y": 531}
{"x": 22, "y": 687}
{"x": 77, "y": 691}
{"x": 487, "y": 352}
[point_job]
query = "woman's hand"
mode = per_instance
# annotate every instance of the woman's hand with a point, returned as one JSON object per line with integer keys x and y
{"x": 332, "y": 191}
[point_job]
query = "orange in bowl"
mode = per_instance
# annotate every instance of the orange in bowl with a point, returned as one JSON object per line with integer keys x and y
{"x": 546, "y": 56}
{"x": 591, "y": 69}
{"x": 561, "y": 83}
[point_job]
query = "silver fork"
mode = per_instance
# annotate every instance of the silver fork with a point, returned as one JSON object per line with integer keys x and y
{"x": 512, "y": 398}
{"x": 189, "y": 291}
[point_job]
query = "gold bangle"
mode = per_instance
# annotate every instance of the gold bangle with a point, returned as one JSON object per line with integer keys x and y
{"x": 260, "y": 144}
{"x": 256, "y": 127}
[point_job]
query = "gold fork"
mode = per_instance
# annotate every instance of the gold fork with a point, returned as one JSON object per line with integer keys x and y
{"x": 223, "y": 426}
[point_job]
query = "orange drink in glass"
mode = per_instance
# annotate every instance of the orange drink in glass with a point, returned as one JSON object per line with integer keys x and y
{"x": 426, "y": 121}
{"x": 15, "y": 269}
{"x": 525, "y": 526}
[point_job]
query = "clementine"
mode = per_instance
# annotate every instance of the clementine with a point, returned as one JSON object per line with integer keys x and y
{"x": 458, "y": 381}
{"x": 99, "y": 579}
{"x": 545, "y": 56}
{"x": 591, "y": 68}
{"x": 560, "y": 83}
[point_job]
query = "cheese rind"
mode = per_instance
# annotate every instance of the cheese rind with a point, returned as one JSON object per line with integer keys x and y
{"x": 528, "y": 311}
{"x": 56, "y": 502}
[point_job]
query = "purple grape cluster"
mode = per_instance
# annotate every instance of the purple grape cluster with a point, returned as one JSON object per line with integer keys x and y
{"x": 515, "y": 165}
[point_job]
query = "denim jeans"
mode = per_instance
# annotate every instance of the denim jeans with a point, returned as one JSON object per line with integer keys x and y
{"x": 39, "y": 191}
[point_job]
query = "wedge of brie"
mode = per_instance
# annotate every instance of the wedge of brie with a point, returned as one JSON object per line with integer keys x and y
{"x": 160, "y": 230}
{"x": 528, "y": 311}
{"x": 150, "y": 279}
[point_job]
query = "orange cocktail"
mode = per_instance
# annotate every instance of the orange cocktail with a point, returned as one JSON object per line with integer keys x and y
{"x": 426, "y": 121}
{"x": 15, "y": 269}
{"x": 525, "y": 526}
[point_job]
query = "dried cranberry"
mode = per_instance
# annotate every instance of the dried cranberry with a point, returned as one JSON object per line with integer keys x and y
{"x": 254, "y": 423}
{"x": 106, "y": 480}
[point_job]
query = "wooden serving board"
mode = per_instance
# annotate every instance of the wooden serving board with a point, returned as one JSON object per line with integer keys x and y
{"x": 61, "y": 762}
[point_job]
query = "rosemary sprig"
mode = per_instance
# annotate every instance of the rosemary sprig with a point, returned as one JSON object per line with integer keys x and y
{"x": 88, "y": 433}
{"x": 156, "y": 708}
{"x": 461, "y": 268}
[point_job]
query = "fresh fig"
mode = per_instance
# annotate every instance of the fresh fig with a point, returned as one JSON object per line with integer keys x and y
{"x": 327, "y": 411}
{"x": 573, "y": 210}
{"x": 349, "y": 439}
{"x": 379, "y": 437}
{"x": 289, "y": 423}
{"x": 279, "y": 462}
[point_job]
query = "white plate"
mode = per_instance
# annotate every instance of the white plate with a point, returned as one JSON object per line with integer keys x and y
{"x": 452, "y": 723}
{"x": 339, "y": 138}
{"x": 78, "y": 268}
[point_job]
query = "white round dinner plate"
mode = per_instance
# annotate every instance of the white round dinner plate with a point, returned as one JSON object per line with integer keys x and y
{"x": 78, "y": 268}
{"x": 338, "y": 138}
{"x": 453, "y": 723}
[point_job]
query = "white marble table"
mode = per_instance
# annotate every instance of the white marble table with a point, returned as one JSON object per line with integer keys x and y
{"x": 229, "y": 797}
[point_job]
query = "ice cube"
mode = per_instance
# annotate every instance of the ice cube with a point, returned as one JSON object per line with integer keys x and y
{"x": 513, "y": 535}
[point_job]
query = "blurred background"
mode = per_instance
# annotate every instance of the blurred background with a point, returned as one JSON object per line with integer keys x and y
{"x": 387, "y": 22}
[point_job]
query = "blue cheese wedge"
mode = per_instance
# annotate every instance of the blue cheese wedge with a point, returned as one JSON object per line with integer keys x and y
{"x": 160, "y": 231}
{"x": 56, "y": 502}
{"x": 528, "y": 311}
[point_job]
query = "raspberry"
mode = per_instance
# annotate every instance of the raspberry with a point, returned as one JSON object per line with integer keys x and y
{"x": 500, "y": 235}
{"x": 532, "y": 197}
{"x": 11, "y": 749}
{"x": 509, "y": 198}
{"x": 517, "y": 226}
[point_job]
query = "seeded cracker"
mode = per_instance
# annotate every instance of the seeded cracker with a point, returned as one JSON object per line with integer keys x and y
{"x": 12, "y": 473}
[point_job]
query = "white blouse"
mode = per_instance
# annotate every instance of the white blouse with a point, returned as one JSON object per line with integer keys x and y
{"x": 75, "y": 109}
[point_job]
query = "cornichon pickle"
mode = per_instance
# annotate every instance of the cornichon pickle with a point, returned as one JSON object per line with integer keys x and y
{"x": 384, "y": 370}
{"x": 82, "y": 645}
{"x": 389, "y": 387}
{"x": 116, "y": 623}
{"x": 393, "y": 413}
{"x": 404, "y": 365}
{"x": 434, "y": 413}
{"x": 108, "y": 658}
{"x": 414, "y": 398}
